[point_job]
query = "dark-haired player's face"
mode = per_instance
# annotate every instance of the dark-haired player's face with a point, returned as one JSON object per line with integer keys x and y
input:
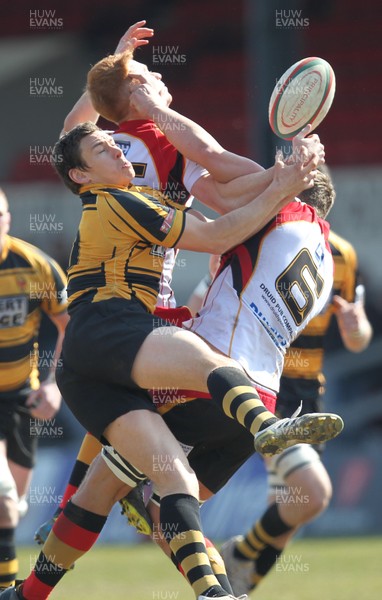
{"x": 105, "y": 160}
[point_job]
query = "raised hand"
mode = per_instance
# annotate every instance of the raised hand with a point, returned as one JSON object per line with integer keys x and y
{"x": 134, "y": 37}
{"x": 311, "y": 143}
{"x": 294, "y": 177}
{"x": 145, "y": 96}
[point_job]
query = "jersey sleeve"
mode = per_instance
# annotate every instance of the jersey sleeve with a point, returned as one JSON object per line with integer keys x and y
{"x": 179, "y": 168}
{"x": 192, "y": 172}
{"x": 140, "y": 216}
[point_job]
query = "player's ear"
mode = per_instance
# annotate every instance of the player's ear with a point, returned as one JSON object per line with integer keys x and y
{"x": 79, "y": 176}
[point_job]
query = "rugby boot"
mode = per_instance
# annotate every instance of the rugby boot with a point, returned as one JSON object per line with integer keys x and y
{"x": 134, "y": 509}
{"x": 239, "y": 571}
{"x": 311, "y": 428}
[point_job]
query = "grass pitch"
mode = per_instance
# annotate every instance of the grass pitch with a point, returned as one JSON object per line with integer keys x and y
{"x": 329, "y": 569}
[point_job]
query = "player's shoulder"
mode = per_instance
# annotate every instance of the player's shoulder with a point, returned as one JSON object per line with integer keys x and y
{"x": 134, "y": 200}
{"x": 36, "y": 258}
{"x": 341, "y": 247}
{"x": 296, "y": 211}
{"x": 26, "y": 251}
{"x": 133, "y": 192}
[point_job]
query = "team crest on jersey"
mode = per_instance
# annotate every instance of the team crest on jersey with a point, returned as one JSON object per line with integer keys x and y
{"x": 125, "y": 147}
{"x": 168, "y": 221}
{"x": 319, "y": 253}
{"x": 157, "y": 250}
{"x": 21, "y": 283}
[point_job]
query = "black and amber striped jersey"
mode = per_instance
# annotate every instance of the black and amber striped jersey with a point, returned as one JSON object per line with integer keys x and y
{"x": 120, "y": 245}
{"x": 302, "y": 374}
{"x": 30, "y": 282}
{"x": 159, "y": 165}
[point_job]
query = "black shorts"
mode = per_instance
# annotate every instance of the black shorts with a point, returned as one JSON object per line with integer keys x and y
{"x": 16, "y": 428}
{"x": 220, "y": 446}
{"x": 287, "y": 408}
{"x": 101, "y": 342}
{"x": 96, "y": 404}
{"x": 292, "y": 391}
{"x": 102, "y": 339}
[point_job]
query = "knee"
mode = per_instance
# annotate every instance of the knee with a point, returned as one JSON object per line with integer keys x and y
{"x": 313, "y": 492}
{"x": 100, "y": 489}
{"x": 308, "y": 488}
{"x": 9, "y": 514}
{"x": 175, "y": 477}
{"x": 318, "y": 496}
{"x": 215, "y": 361}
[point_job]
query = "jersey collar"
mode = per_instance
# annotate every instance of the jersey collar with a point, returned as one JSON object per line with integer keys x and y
{"x": 131, "y": 126}
{"x": 96, "y": 187}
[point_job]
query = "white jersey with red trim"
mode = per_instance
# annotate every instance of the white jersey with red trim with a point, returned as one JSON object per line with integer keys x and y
{"x": 266, "y": 291}
{"x": 159, "y": 165}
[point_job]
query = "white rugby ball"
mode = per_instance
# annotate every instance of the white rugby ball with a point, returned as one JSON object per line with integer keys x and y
{"x": 303, "y": 95}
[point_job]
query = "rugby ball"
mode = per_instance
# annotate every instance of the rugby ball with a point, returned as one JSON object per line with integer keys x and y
{"x": 303, "y": 95}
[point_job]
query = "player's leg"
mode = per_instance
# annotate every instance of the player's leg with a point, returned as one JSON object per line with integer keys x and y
{"x": 75, "y": 531}
{"x": 22, "y": 477}
{"x": 163, "y": 460}
{"x": 78, "y": 527}
{"x": 216, "y": 561}
{"x": 9, "y": 518}
{"x": 217, "y": 446}
{"x": 141, "y": 437}
{"x": 151, "y": 357}
{"x": 300, "y": 489}
{"x": 17, "y": 456}
{"x": 195, "y": 364}
{"x": 89, "y": 449}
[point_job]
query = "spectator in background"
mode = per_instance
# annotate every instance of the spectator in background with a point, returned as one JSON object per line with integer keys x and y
{"x": 30, "y": 283}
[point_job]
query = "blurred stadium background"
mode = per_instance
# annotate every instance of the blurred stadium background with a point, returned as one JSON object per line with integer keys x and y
{"x": 220, "y": 60}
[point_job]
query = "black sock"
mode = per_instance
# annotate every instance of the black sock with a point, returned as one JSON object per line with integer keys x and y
{"x": 8, "y": 561}
{"x": 262, "y": 534}
{"x": 181, "y": 526}
{"x": 235, "y": 394}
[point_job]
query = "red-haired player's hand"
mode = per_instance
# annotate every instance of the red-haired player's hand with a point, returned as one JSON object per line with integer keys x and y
{"x": 134, "y": 37}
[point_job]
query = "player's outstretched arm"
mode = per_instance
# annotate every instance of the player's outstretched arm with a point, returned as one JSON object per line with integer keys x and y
{"x": 234, "y": 180}
{"x": 83, "y": 110}
{"x": 235, "y": 227}
{"x": 239, "y": 191}
{"x": 224, "y": 197}
{"x": 187, "y": 136}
